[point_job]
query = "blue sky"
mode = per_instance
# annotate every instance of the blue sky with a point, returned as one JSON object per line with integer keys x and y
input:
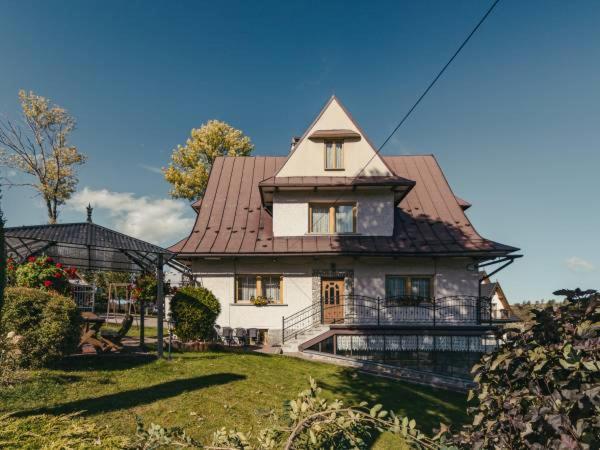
{"x": 514, "y": 122}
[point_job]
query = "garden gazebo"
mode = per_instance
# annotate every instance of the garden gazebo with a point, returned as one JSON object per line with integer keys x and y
{"x": 88, "y": 246}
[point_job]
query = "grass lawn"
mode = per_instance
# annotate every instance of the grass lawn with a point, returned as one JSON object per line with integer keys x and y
{"x": 202, "y": 392}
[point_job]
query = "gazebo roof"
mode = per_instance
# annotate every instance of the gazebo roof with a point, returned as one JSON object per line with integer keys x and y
{"x": 84, "y": 245}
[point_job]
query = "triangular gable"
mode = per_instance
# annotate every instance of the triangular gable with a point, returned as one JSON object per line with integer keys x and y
{"x": 308, "y": 156}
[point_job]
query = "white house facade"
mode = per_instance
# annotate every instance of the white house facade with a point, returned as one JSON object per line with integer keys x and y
{"x": 334, "y": 235}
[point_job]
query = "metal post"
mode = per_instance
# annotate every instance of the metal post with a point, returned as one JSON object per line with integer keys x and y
{"x": 160, "y": 305}
{"x": 378, "y": 309}
{"x": 282, "y": 330}
{"x": 434, "y": 311}
{"x": 142, "y": 321}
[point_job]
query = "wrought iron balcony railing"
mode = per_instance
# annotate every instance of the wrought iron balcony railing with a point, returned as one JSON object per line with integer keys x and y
{"x": 403, "y": 310}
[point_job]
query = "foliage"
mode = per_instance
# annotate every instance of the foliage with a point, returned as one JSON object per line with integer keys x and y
{"x": 39, "y": 148}
{"x": 261, "y": 300}
{"x": 3, "y": 264}
{"x": 47, "y": 325}
{"x": 101, "y": 279}
{"x": 194, "y": 311}
{"x": 311, "y": 422}
{"x": 145, "y": 287}
{"x": 49, "y": 432}
{"x": 43, "y": 273}
{"x": 541, "y": 389}
{"x": 190, "y": 164}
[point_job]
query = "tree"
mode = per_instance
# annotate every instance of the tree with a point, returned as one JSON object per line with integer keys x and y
{"x": 3, "y": 262}
{"x": 190, "y": 164}
{"x": 39, "y": 148}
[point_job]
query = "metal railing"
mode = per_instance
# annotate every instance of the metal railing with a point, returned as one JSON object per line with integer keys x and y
{"x": 403, "y": 310}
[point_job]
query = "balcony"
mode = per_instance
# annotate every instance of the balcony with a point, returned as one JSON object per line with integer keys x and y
{"x": 404, "y": 311}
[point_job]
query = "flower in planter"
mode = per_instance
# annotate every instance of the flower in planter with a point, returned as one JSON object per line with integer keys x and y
{"x": 47, "y": 283}
{"x": 259, "y": 300}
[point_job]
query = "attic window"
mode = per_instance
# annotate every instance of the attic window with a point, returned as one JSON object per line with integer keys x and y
{"x": 334, "y": 155}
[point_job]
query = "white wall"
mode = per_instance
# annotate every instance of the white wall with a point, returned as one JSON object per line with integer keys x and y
{"x": 450, "y": 278}
{"x": 374, "y": 213}
{"x": 219, "y": 277}
{"x": 308, "y": 159}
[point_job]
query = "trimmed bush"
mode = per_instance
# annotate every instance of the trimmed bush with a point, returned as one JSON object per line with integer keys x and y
{"x": 47, "y": 325}
{"x": 194, "y": 310}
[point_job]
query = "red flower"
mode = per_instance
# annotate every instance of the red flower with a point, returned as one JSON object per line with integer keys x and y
{"x": 59, "y": 265}
{"x": 49, "y": 260}
{"x": 58, "y": 275}
{"x": 31, "y": 259}
{"x": 47, "y": 283}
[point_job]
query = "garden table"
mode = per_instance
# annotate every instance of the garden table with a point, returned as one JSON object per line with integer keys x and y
{"x": 92, "y": 324}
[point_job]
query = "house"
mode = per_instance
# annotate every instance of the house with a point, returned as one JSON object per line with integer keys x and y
{"x": 332, "y": 235}
{"x": 500, "y": 307}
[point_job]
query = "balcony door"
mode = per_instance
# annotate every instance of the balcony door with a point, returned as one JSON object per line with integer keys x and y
{"x": 332, "y": 294}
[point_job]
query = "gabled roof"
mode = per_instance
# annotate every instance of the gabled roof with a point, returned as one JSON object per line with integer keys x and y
{"x": 312, "y": 133}
{"x": 428, "y": 221}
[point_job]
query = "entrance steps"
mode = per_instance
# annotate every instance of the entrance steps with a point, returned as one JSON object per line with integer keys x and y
{"x": 292, "y": 345}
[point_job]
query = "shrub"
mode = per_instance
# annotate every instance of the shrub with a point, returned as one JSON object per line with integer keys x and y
{"x": 541, "y": 389}
{"x": 43, "y": 273}
{"x": 48, "y": 325}
{"x": 194, "y": 311}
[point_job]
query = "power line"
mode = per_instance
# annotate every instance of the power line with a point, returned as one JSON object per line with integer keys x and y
{"x": 426, "y": 91}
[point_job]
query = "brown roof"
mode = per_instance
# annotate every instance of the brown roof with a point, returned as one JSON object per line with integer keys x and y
{"x": 335, "y": 181}
{"x": 232, "y": 220}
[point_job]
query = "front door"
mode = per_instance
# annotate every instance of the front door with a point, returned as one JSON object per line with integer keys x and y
{"x": 332, "y": 293}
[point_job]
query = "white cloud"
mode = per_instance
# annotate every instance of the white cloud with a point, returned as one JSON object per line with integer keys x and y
{"x": 577, "y": 264}
{"x": 152, "y": 169}
{"x": 161, "y": 221}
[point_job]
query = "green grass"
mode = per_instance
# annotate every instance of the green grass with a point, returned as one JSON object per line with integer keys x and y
{"x": 202, "y": 392}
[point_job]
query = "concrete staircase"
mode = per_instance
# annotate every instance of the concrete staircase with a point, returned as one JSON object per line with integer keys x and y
{"x": 291, "y": 345}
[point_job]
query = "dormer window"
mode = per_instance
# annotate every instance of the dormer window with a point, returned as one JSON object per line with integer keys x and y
{"x": 327, "y": 218}
{"x": 334, "y": 155}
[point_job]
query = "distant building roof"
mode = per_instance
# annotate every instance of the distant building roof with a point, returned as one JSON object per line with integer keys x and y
{"x": 233, "y": 221}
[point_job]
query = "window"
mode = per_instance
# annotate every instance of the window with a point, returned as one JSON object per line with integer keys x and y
{"x": 329, "y": 219}
{"x": 334, "y": 155}
{"x": 397, "y": 286}
{"x": 248, "y": 287}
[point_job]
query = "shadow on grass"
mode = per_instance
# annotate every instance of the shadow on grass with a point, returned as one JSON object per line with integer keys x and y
{"x": 428, "y": 406}
{"x": 135, "y": 397}
{"x": 117, "y": 361}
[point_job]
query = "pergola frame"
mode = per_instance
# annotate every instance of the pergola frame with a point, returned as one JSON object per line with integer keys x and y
{"x": 87, "y": 246}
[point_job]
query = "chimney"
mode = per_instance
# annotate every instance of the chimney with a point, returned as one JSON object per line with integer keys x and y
{"x": 89, "y": 213}
{"x": 295, "y": 140}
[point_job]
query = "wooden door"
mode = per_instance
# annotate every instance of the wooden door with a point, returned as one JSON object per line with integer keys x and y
{"x": 332, "y": 293}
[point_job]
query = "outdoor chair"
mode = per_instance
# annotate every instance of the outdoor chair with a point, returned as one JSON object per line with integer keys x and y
{"x": 218, "y": 333}
{"x": 227, "y": 335}
{"x": 253, "y": 335}
{"x": 112, "y": 339}
{"x": 240, "y": 336}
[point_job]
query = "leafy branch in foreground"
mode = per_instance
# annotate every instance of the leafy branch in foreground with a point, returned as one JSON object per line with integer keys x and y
{"x": 541, "y": 389}
{"x": 311, "y": 422}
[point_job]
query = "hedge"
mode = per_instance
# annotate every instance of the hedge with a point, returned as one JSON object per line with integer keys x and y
{"x": 194, "y": 311}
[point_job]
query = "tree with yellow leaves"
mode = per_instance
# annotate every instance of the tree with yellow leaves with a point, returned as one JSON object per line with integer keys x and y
{"x": 39, "y": 147}
{"x": 190, "y": 164}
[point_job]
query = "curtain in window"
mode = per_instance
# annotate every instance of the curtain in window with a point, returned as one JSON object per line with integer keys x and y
{"x": 270, "y": 287}
{"x": 338, "y": 155}
{"x": 246, "y": 288}
{"x": 320, "y": 219}
{"x": 344, "y": 219}
{"x": 420, "y": 287}
{"x": 329, "y": 156}
{"x": 395, "y": 286}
